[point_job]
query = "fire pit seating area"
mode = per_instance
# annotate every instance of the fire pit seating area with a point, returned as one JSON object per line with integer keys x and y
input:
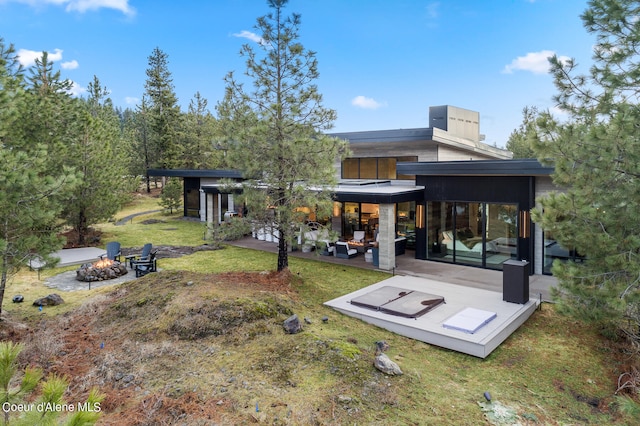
{"x": 145, "y": 262}
{"x": 110, "y": 265}
{"x": 103, "y": 269}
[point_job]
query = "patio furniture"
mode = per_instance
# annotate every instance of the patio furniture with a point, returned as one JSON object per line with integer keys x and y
{"x": 344, "y": 252}
{"x": 113, "y": 251}
{"x": 143, "y": 267}
{"x": 144, "y": 255}
{"x": 358, "y": 237}
{"x": 327, "y": 248}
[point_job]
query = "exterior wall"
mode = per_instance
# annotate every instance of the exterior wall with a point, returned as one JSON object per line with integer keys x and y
{"x": 423, "y": 149}
{"x": 446, "y": 153}
{"x": 456, "y": 121}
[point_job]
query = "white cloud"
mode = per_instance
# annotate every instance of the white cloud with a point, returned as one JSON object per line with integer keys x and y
{"x": 250, "y": 36}
{"x": 535, "y": 62}
{"x": 28, "y": 57}
{"x": 366, "y": 103}
{"x": 130, "y": 100}
{"x": 70, "y": 65}
{"x": 432, "y": 10}
{"x": 76, "y": 90}
{"x": 84, "y": 5}
{"x": 81, "y": 6}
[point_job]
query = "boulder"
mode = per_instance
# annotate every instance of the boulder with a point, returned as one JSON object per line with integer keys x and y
{"x": 382, "y": 346}
{"x": 50, "y": 300}
{"x": 292, "y": 324}
{"x": 384, "y": 364}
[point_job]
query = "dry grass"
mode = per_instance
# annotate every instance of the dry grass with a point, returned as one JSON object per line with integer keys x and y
{"x": 202, "y": 343}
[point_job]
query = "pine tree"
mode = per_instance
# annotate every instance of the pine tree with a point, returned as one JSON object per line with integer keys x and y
{"x": 31, "y": 191}
{"x": 519, "y": 140}
{"x": 199, "y": 129}
{"x": 275, "y": 130}
{"x": 596, "y": 154}
{"x": 164, "y": 114}
{"x": 100, "y": 161}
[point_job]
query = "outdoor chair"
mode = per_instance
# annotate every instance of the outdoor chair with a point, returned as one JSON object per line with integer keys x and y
{"x": 358, "y": 237}
{"x": 143, "y": 267}
{"x": 344, "y": 252}
{"x": 113, "y": 251}
{"x": 328, "y": 248}
{"x": 144, "y": 255}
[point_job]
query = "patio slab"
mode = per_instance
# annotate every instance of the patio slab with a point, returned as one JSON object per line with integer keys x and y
{"x": 429, "y": 328}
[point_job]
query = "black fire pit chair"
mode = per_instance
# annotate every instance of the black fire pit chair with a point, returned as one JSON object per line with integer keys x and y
{"x": 143, "y": 256}
{"x": 143, "y": 267}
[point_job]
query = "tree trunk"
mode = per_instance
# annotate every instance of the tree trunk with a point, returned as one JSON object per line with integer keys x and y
{"x": 82, "y": 227}
{"x": 283, "y": 249}
{"x": 3, "y": 282}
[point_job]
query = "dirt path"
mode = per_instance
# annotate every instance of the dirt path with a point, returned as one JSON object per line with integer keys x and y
{"x": 128, "y": 219}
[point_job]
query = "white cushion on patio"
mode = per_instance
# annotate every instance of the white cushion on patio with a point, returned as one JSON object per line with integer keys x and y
{"x": 469, "y": 320}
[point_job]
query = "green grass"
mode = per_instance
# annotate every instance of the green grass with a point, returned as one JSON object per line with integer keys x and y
{"x": 551, "y": 371}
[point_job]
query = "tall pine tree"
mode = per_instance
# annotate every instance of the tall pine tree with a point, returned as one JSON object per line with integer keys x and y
{"x": 164, "y": 113}
{"x": 98, "y": 157}
{"x": 596, "y": 154}
{"x": 276, "y": 128}
{"x": 31, "y": 191}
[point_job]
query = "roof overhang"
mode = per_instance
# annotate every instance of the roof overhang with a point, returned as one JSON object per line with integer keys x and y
{"x": 419, "y": 136}
{"x": 190, "y": 173}
{"x": 377, "y": 192}
{"x": 517, "y": 167}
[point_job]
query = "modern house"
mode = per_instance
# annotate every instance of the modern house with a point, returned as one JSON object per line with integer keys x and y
{"x": 438, "y": 191}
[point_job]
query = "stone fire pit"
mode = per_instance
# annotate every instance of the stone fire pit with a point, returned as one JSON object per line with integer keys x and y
{"x": 104, "y": 269}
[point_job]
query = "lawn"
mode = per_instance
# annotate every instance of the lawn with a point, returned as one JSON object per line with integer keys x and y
{"x": 202, "y": 341}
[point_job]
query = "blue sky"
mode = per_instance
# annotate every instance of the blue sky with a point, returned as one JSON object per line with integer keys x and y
{"x": 382, "y": 63}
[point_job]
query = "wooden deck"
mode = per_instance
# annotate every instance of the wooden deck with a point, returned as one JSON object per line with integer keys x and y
{"x": 429, "y": 327}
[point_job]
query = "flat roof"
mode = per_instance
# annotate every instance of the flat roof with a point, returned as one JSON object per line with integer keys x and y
{"x": 377, "y": 192}
{"x": 382, "y": 136}
{"x": 515, "y": 167}
{"x": 209, "y": 173}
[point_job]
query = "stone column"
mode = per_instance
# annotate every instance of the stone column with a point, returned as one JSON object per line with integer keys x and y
{"x": 387, "y": 237}
{"x": 210, "y": 216}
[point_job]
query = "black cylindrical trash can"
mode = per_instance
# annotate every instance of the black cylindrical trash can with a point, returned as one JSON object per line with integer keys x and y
{"x": 515, "y": 281}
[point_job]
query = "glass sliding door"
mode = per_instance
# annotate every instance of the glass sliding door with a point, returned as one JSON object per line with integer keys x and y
{"x": 476, "y": 234}
{"x": 440, "y": 229}
{"x": 501, "y": 234}
{"x": 469, "y": 235}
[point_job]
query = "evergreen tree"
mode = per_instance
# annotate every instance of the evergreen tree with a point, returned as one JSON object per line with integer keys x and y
{"x": 198, "y": 134}
{"x": 164, "y": 114}
{"x": 52, "y": 389}
{"x": 142, "y": 130}
{"x": 100, "y": 161}
{"x": 31, "y": 191}
{"x": 171, "y": 196}
{"x": 519, "y": 140}
{"x": 596, "y": 154}
{"x": 275, "y": 130}
{"x": 50, "y": 114}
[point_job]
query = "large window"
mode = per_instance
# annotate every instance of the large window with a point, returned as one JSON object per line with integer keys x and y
{"x": 365, "y": 217}
{"x": 554, "y": 250}
{"x": 478, "y": 234}
{"x": 374, "y": 168}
